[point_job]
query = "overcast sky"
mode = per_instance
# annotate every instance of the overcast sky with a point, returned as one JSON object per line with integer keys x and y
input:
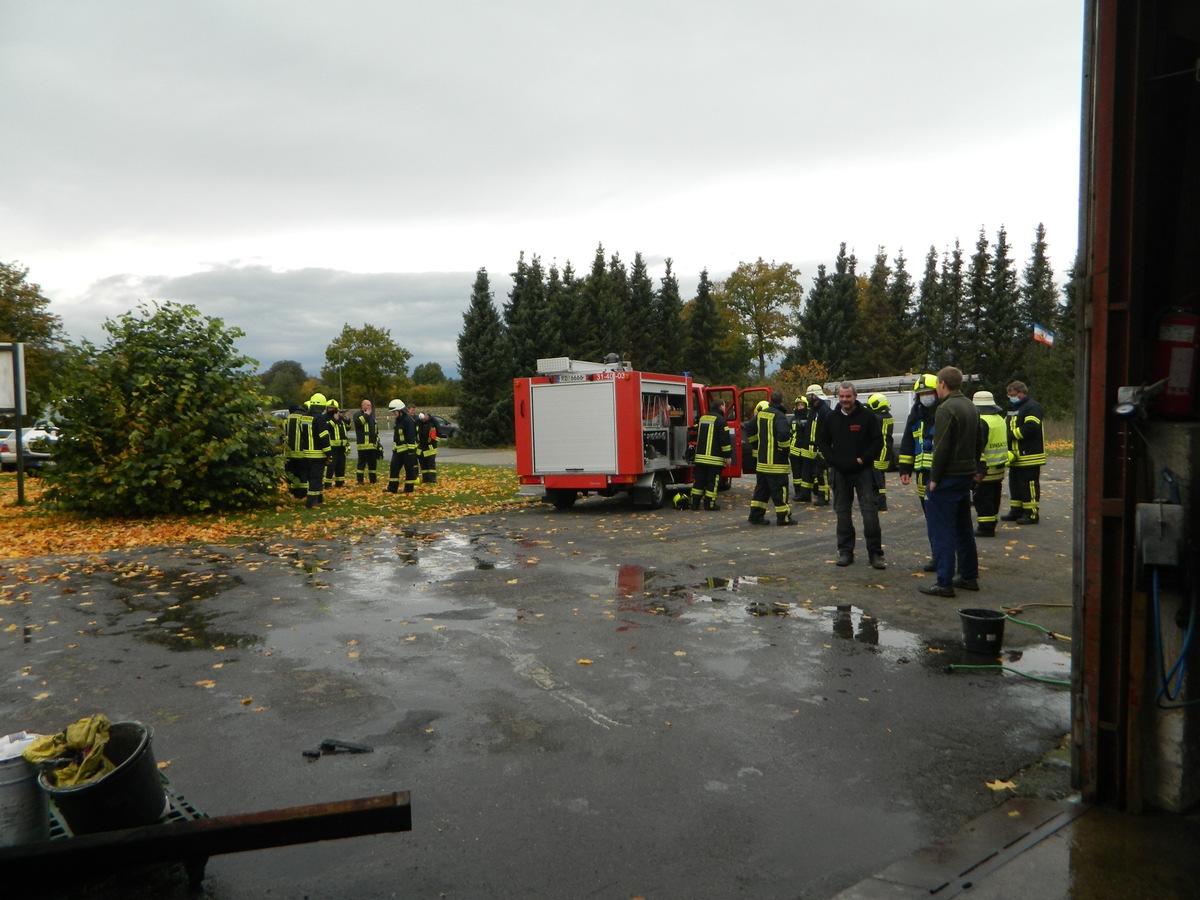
{"x": 291, "y": 166}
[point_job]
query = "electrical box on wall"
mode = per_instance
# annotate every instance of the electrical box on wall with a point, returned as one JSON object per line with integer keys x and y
{"x": 1158, "y": 533}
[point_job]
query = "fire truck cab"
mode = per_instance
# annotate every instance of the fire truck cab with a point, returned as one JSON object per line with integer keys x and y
{"x": 604, "y": 428}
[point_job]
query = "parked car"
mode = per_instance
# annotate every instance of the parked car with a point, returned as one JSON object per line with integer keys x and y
{"x": 36, "y": 448}
{"x": 445, "y": 428}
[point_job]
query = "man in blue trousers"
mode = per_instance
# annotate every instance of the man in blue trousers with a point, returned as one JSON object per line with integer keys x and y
{"x": 957, "y": 446}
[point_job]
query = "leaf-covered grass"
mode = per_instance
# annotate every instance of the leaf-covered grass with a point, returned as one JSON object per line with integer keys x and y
{"x": 36, "y": 530}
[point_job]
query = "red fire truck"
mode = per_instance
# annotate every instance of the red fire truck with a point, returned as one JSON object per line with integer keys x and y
{"x": 603, "y": 428}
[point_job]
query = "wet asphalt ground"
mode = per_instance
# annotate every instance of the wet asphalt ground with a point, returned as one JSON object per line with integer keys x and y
{"x": 600, "y": 702}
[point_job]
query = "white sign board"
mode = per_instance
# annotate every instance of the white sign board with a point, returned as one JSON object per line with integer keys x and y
{"x": 12, "y": 363}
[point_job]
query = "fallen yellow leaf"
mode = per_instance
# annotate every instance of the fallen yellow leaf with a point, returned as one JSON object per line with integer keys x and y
{"x": 583, "y": 662}
{"x": 999, "y": 785}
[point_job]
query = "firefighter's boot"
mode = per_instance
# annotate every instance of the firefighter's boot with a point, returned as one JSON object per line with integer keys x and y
{"x": 359, "y": 476}
{"x": 784, "y": 518}
{"x": 711, "y": 505}
{"x": 695, "y": 501}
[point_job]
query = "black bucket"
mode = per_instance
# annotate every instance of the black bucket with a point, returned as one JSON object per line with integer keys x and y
{"x": 982, "y": 630}
{"x": 130, "y": 795}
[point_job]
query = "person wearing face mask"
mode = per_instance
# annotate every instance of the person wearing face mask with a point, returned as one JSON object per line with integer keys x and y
{"x": 916, "y": 443}
{"x": 1027, "y": 449}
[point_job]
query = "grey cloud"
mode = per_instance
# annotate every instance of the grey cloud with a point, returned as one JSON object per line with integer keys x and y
{"x": 295, "y": 314}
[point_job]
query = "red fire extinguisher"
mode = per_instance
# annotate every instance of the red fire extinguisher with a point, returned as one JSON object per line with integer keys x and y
{"x": 1175, "y": 357}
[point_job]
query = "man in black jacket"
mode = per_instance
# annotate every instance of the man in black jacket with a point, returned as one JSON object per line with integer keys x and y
{"x": 850, "y": 438}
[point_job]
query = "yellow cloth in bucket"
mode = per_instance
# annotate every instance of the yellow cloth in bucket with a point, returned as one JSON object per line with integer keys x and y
{"x": 83, "y": 743}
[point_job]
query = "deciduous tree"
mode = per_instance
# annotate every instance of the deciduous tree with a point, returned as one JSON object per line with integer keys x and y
{"x": 167, "y": 418}
{"x": 764, "y": 297}
{"x": 284, "y": 381}
{"x": 25, "y": 318}
{"x": 371, "y": 362}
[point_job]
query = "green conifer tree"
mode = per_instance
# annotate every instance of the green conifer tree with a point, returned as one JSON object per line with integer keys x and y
{"x": 813, "y": 324}
{"x": 598, "y": 316}
{"x": 485, "y": 371}
{"x": 618, "y": 309}
{"x": 900, "y": 311}
{"x": 702, "y": 332}
{"x": 842, "y": 349}
{"x": 975, "y": 343}
{"x": 643, "y": 346}
{"x": 1005, "y": 346}
{"x": 567, "y": 313}
{"x": 878, "y": 340}
{"x": 926, "y": 315}
{"x": 668, "y": 323}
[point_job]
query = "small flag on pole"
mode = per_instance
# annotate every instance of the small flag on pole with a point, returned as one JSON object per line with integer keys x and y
{"x": 1042, "y": 336}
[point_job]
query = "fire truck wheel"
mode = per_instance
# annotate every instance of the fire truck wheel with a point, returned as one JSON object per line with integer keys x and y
{"x": 654, "y": 496}
{"x": 563, "y": 499}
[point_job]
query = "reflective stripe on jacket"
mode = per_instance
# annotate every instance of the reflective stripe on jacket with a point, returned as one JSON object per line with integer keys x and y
{"x": 712, "y": 440}
{"x": 886, "y": 423}
{"x": 1025, "y": 434}
{"x": 366, "y": 432}
{"x": 337, "y": 433}
{"x": 774, "y": 442}
{"x": 995, "y": 447}
{"x": 307, "y": 434}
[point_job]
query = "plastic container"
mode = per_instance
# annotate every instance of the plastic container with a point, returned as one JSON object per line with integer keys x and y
{"x": 24, "y": 812}
{"x": 130, "y": 795}
{"x": 982, "y": 630}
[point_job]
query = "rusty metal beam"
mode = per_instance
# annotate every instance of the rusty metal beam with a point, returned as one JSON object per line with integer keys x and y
{"x": 1104, "y": 719}
{"x": 197, "y": 839}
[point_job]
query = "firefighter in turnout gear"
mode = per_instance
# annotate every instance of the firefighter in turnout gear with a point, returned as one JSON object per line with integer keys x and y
{"x": 335, "y": 466}
{"x": 1028, "y": 448}
{"x": 814, "y": 481}
{"x": 308, "y": 441}
{"x": 427, "y": 444}
{"x": 404, "y": 450}
{"x": 990, "y": 481}
{"x": 879, "y": 405}
{"x": 750, "y": 429}
{"x": 294, "y": 466}
{"x": 366, "y": 443}
{"x": 774, "y": 433}
{"x": 713, "y": 448}
{"x": 799, "y": 443}
{"x": 916, "y": 444}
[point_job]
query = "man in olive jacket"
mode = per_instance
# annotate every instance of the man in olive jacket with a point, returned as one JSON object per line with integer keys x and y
{"x": 957, "y": 446}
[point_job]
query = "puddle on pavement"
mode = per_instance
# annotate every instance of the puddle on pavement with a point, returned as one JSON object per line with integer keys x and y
{"x": 734, "y": 600}
{"x": 166, "y": 607}
{"x": 442, "y": 554}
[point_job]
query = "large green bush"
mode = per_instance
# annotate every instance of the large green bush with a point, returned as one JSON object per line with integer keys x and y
{"x": 167, "y": 418}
